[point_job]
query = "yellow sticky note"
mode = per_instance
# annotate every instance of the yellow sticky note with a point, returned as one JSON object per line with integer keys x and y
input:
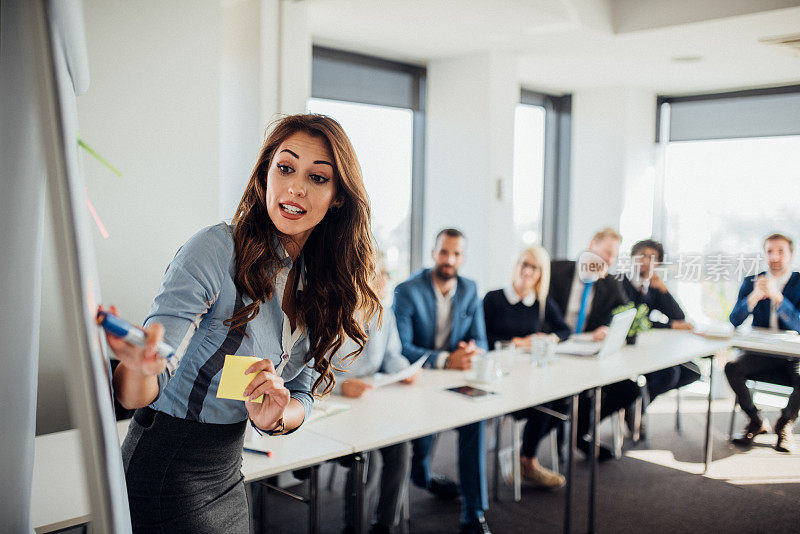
{"x": 233, "y": 381}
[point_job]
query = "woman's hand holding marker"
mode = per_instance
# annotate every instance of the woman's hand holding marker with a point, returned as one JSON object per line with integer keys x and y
{"x": 144, "y": 360}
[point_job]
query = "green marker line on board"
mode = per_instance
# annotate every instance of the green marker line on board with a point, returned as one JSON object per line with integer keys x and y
{"x": 99, "y": 158}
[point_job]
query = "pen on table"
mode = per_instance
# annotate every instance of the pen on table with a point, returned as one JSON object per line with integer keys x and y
{"x": 268, "y": 453}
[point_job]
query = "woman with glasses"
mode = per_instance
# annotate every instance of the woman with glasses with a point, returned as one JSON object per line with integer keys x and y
{"x": 519, "y": 313}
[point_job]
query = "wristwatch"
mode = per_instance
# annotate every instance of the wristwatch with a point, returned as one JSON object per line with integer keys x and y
{"x": 280, "y": 427}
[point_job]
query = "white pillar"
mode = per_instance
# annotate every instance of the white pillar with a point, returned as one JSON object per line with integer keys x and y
{"x": 266, "y": 71}
{"x": 612, "y": 164}
{"x": 469, "y": 154}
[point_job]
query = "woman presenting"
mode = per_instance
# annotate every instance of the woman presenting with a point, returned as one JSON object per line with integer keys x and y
{"x": 286, "y": 281}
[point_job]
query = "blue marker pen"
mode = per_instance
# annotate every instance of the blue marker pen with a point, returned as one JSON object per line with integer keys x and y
{"x": 123, "y": 329}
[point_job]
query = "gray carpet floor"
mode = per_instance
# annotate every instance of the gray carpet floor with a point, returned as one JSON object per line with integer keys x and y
{"x": 657, "y": 486}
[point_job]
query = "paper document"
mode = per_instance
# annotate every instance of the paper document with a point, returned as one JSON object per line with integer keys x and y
{"x": 381, "y": 379}
{"x": 715, "y": 330}
{"x": 760, "y": 336}
{"x": 324, "y": 409}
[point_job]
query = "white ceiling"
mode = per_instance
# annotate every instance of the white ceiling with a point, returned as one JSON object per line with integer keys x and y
{"x": 565, "y": 45}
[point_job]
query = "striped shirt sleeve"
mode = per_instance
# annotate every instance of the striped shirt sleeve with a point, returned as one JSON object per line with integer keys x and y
{"x": 189, "y": 288}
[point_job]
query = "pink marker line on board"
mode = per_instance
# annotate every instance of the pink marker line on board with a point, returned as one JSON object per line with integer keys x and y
{"x": 96, "y": 217}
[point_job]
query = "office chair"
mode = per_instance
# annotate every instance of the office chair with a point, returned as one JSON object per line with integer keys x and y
{"x": 517, "y": 426}
{"x": 772, "y": 384}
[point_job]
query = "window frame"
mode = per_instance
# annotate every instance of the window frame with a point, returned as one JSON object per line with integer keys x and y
{"x": 663, "y": 123}
{"x": 557, "y": 155}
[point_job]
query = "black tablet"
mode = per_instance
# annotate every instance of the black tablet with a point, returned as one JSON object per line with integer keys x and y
{"x": 471, "y": 392}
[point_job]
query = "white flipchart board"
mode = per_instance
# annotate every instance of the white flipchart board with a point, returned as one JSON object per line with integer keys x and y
{"x": 59, "y": 49}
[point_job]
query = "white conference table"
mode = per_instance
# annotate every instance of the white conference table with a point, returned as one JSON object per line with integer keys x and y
{"x": 399, "y": 412}
{"x": 389, "y": 415}
{"x": 782, "y": 344}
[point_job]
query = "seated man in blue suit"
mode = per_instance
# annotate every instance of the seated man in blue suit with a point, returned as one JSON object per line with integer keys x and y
{"x": 440, "y": 318}
{"x": 774, "y": 300}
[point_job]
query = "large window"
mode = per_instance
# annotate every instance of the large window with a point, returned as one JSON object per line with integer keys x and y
{"x": 722, "y": 194}
{"x": 529, "y": 127}
{"x": 380, "y": 104}
{"x": 382, "y": 137}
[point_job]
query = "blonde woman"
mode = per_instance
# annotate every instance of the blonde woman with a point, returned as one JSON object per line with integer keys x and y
{"x": 519, "y": 313}
{"x": 522, "y": 310}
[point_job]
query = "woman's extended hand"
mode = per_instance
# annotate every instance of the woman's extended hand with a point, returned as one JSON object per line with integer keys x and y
{"x": 143, "y": 360}
{"x": 522, "y": 341}
{"x": 413, "y": 378}
{"x": 267, "y": 413}
{"x": 356, "y": 388}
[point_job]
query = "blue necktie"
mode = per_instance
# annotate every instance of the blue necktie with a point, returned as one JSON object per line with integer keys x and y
{"x": 587, "y": 290}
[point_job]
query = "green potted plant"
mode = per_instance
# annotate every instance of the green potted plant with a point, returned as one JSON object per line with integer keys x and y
{"x": 641, "y": 322}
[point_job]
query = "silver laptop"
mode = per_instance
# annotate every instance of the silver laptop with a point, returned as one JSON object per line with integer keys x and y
{"x": 617, "y": 332}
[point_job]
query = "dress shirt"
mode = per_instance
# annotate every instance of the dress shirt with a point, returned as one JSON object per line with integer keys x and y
{"x": 382, "y": 353}
{"x": 289, "y": 338}
{"x": 197, "y": 296}
{"x": 642, "y": 285}
{"x": 444, "y": 321}
{"x": 773, "y": 308}
{"x": 512, "y": 297}
{"x": 574, "y": 302}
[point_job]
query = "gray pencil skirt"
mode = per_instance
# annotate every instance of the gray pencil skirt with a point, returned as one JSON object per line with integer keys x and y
{"x": 184, "y": 476}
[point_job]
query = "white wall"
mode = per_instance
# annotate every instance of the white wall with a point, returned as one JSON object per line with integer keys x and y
{"x": 469, "y": 149}
{"x": 636, "y": 219}
{"x": 241, "y": 124}
{"x": 152, "y": 109}
{"x": 613, "y": 135}
{"x": 180, "y": 96}
{"x": 470, "y": 126}
{"x": 504, "y": 94}
{"x": 294, "y": 56}
{"x": 264, "y": 72}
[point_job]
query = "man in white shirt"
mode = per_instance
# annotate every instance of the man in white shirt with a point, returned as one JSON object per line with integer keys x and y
{"x": 588, "y": 296}
{"x": 773, "y": 299}
{"x": 584, "y": 291}
{"x": 440, "y": 318}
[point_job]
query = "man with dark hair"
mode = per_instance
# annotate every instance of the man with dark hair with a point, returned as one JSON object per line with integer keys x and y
{"x": 449, "y": 232}
{"x": 773, "y": 299}
{"x": 440, "y": 318}
{"x": 645, "y": 286}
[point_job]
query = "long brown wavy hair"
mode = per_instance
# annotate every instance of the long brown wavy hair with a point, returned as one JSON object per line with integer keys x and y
{"x": 339, "y": 255}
